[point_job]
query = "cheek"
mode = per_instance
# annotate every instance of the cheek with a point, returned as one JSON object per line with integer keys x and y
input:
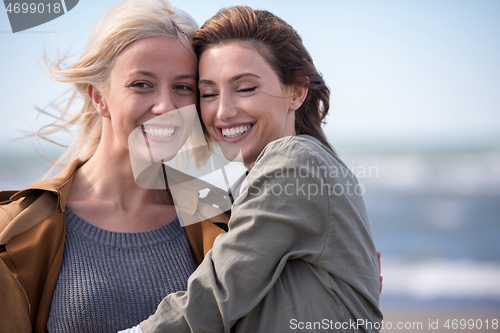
{"x": 189, "y": 116}
{"x": 271, "y": 126}
{"x": 206, "y": 114}
{"x": 192, "y": 99}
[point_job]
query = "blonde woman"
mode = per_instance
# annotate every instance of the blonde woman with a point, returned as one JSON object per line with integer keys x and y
{"x": 89, "y": 250}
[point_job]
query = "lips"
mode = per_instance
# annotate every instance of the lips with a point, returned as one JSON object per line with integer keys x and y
{"x": 233, "y": 132}
{"x": 159, "y": 132}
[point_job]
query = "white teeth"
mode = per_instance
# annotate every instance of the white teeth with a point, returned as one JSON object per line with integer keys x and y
{"x": 235, "y": 131}
{"x": 159, "y": 132}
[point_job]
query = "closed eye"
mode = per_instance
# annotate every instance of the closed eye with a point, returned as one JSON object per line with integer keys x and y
{"x": 246, "y": 90}
{"x": 207, "y": 95}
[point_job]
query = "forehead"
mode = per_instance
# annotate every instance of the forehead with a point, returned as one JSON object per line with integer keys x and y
{"x": 233, "y": 58}
{"x": 156, "y": 53}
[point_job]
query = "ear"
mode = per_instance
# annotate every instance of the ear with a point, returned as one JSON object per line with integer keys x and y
{"x": 299, "y": 94}
{"x": 98, "y": 100}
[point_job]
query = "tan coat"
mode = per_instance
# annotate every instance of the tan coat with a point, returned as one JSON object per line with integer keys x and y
{"x": 32, "y": 233}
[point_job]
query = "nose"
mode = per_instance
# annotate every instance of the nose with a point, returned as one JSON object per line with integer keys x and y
{"x": 227, "y": 108}
{"x": 164, "y": 102}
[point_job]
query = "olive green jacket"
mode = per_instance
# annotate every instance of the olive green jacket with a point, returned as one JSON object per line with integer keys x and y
{"x": 299, "y": 253}
{"x": 32, "y": 233}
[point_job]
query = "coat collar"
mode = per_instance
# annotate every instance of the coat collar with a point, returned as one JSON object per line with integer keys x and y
{"x": 59, "y": 184}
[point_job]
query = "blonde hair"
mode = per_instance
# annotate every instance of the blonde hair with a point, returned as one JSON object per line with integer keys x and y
{"x": 121, "y": 25}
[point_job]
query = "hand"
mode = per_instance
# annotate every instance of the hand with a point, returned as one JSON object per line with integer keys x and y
{"x": 135, "y": 329}
{"x": 380, "y": 270}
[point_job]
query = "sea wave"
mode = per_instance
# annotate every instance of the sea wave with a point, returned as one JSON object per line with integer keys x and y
{"x": 459, "y": 174}
{"x": 441, "y": 278}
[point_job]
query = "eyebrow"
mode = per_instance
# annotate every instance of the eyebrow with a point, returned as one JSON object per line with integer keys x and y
{"x": 187, "y": 76}
{"x": 179, "y": 77}
{"x": 234, "y": 78}
{"x": 144, "y": 73}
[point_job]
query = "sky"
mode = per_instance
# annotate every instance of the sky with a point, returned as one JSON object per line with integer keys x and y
{"x": 405, "y": 75}
{"x": 402, "y": 73}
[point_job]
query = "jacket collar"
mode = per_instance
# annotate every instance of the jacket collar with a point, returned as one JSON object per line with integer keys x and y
{"x": 59, "y": 184}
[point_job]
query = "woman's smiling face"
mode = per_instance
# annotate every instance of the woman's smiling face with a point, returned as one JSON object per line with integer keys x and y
{"x": 242, "y": 99}
{"x": 151, "y": 77}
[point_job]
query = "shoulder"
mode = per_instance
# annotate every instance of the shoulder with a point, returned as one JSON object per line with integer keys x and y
{"x": 21, "y": 210}
{"x": 287, "y": 151}
{"x": 289, "y": 165}
{"x": 25, "y": 212}
{"x": 294, "y": 145}
{"x": 305, "y": 163}
{"x": 300, "y": 151}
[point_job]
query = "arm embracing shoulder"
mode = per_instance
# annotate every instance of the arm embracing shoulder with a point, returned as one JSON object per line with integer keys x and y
{"x": 280, "y": 214}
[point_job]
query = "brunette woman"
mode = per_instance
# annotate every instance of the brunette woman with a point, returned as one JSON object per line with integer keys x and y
{"x": 299, "y": 254}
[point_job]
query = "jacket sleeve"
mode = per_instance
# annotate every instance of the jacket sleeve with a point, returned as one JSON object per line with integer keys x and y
{"x": 14, "y": 308}
{"x": 14, "y": 315}
{"x": 281, "y": 214}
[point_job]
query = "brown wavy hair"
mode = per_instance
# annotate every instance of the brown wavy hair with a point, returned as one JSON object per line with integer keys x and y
{"x": 281, "y": 46}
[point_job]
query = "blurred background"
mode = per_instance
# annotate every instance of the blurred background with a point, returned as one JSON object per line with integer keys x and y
{"x": 415, "y": 114}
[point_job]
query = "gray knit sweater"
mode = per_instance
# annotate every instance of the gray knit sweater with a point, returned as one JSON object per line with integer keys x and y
{"x": 111, "y": 281}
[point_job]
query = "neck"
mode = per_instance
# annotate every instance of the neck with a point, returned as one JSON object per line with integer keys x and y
{"x": 108, "y": 176}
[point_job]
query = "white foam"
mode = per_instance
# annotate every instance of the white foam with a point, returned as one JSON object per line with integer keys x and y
{"x": 460, "y": 174}
{"x": 441, "y": 278}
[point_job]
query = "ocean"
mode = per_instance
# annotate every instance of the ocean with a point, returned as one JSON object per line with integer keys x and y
{"x": 435, "y": 218}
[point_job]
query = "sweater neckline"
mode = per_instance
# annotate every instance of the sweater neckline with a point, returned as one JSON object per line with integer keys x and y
{"x": 166, "y": 233}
